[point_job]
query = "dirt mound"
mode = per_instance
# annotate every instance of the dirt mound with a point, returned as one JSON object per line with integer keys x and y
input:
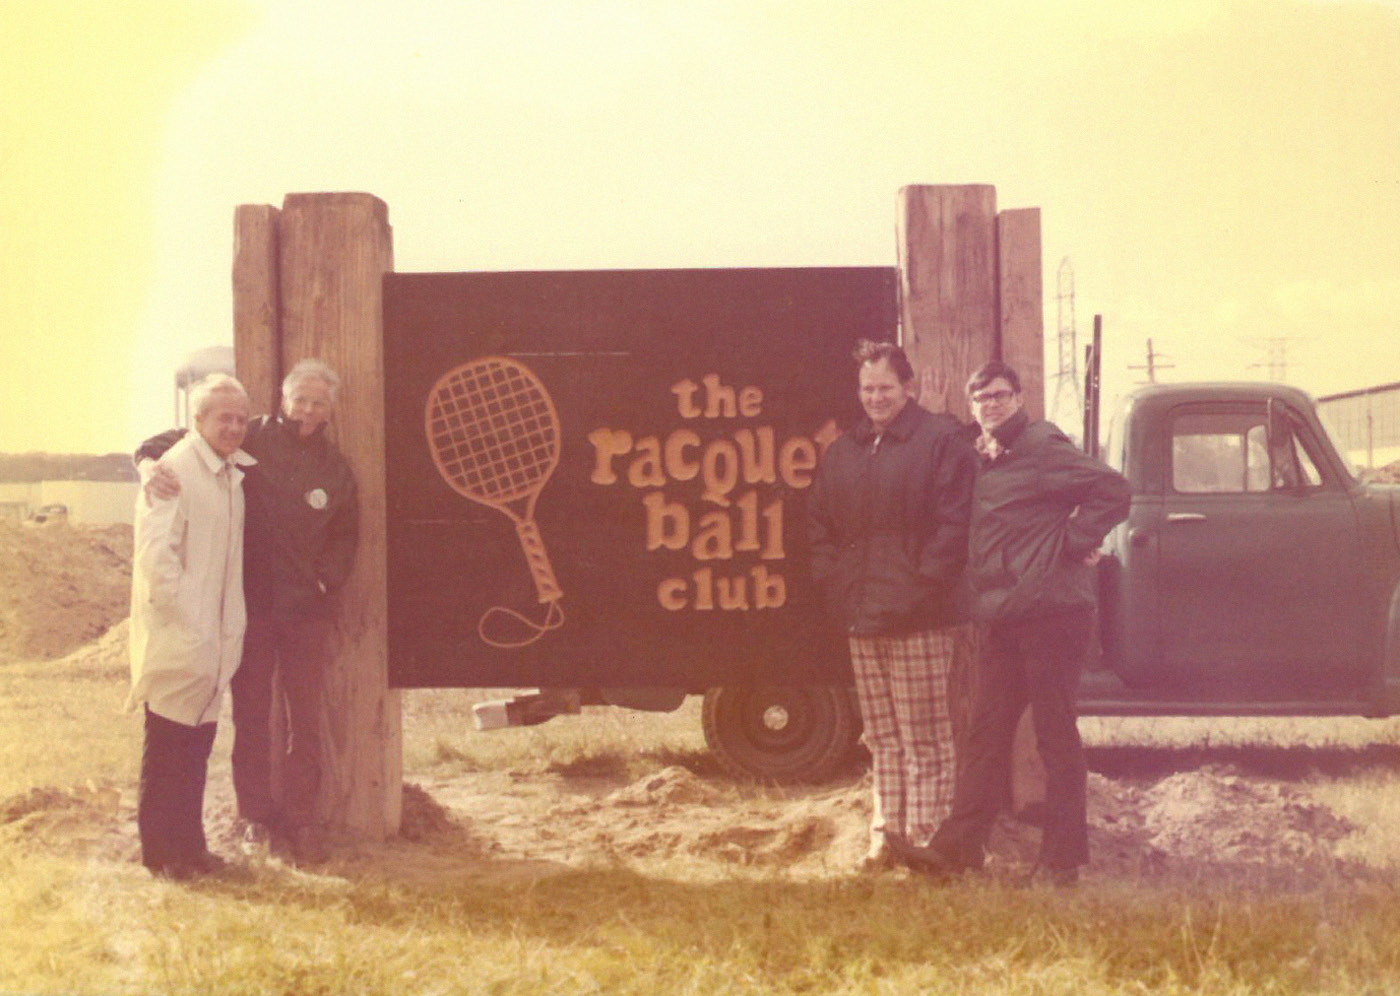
{"x": 83, "y": 819}
{"x": 61, "y": 586}
{"x": 1215, "y": 814}
{"x": 673, "y": 785}
{"x": 423, "y": 819}
{"x": 1208, "y": 825}
{"x": 108, "y": 655}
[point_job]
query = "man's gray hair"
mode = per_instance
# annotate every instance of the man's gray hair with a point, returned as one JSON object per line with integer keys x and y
{"x": 309, "y": 370}
{"x": 202, "y": 394}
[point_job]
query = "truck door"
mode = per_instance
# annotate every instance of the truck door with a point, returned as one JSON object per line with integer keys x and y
{"x": 1259, "y": 551}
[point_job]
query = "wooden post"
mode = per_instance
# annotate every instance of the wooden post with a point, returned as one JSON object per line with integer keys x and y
{"x": 970, "y": 291}
{"x": 947, "y": 282}
{"x": 334, "y": 250}
{"x": 1022, "y": 344}
{"x": 948, "y": 322}
{"x": 257, "y": 357}
{"x": 257, "y": 336}
{"x": 1021, "y": 337}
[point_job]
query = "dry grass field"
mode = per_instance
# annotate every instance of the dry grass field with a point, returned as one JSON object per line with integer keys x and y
{"x": 606, "y": 854}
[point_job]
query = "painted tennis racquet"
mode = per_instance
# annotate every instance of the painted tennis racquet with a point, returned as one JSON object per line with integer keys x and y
{"x": 494, "y": 434}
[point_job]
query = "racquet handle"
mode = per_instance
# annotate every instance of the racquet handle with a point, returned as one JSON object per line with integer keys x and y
{"x": 533, "y": 545}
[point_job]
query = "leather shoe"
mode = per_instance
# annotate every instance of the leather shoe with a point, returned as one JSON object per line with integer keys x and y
{"x": 309, "y": 845}
{"x": 175, "y": 871}
{"x": 879, "y": 858}
{"x": 925, "y": 860}
{"x": 1063, "y": 878}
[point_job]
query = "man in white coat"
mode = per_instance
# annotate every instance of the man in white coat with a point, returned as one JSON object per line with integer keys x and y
{"x": 187, "y": 620}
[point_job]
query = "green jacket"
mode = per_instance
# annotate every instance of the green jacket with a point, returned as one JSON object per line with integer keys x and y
{"x": 1038, "y": 509}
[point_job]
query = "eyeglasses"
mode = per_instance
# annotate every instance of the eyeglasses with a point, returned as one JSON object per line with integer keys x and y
{"x": 988, "y": 397}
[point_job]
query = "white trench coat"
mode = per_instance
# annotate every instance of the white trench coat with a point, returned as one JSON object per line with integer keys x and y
{"x": 187, "y": 613}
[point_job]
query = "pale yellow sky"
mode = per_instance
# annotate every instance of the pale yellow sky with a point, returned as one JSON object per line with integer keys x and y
{"x": 1218, "y": 172}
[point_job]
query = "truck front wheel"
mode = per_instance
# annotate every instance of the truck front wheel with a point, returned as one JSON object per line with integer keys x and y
{"x": 782, "y": 733}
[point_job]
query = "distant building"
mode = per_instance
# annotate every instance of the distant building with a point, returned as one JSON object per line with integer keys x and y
{"x": 87, "y": 490}
{"x": 1367, "y": 422}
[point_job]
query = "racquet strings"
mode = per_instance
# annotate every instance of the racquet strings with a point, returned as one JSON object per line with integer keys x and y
{"x": 493, "y": 430}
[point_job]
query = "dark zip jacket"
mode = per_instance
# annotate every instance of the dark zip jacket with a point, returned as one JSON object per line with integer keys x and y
{"x": 302, "y": 517}
{"x": 1038, "y": 509}
{"x": 887, "y": 523}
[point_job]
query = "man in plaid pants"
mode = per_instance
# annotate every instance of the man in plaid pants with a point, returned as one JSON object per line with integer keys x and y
{"x": 887, "y": 521}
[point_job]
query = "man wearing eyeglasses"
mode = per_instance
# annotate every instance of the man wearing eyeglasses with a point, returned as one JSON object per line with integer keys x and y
{"x": 1040, "y": 509}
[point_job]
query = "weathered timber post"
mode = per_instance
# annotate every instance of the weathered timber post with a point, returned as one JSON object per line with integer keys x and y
{"x": 1021, "y": 328}
{"x": 257, "y": 357}
{"x": 970, "y": 291}
{"x": 1021, "y": 343}
{"x": 335, "y": 250}
{"x": 257, "y": 334}
{"x": 947, "y": 282}
{"x": 308, "y": 283}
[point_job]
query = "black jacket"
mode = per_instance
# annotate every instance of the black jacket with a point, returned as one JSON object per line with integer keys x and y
{"x": 1038, "y": 509}
{"x": 887, "y": 523}
{"x": 301, "y": 523}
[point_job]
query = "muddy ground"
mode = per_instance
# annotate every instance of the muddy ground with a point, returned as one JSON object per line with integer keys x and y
{"x": 1207, "y": 816}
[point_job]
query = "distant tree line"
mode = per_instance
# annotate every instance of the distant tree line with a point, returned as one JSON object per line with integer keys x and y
{"x": 25, "y": 468}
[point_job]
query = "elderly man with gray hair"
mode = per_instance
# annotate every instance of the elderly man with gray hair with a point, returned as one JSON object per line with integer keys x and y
{"x": 302, "y": 532}
{"x": 187, "y": 623}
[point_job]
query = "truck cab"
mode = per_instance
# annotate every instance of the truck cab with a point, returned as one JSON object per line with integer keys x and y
{"x": 1255, "y": 573}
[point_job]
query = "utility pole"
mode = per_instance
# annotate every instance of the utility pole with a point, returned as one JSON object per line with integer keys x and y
{"x": 1152, "y": 365}
{"x": 1276, "y": 356}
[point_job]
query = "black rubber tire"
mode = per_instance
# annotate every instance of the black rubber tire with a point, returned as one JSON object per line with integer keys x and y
{"x": 779, "y": 733}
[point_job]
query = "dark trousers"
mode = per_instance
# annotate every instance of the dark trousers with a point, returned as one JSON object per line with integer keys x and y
{"x": 170, "y": 801}
{"x": 1036, "y": 662}
{"x": 296, "y": 651}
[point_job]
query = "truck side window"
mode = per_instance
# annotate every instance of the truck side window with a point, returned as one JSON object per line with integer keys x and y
{"x": 1219, "y": 453}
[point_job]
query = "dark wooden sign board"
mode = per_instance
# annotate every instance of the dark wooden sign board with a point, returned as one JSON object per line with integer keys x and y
{"x": 691, "y": 408}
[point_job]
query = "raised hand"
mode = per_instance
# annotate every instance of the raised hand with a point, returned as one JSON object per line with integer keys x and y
{"x": 933, "y": 390}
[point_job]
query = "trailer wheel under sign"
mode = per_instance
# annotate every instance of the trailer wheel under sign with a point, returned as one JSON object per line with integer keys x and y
{"x": 782, "y": 732}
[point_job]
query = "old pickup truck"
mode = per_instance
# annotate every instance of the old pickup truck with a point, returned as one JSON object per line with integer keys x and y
{"x": 596, "y": 490}
{"x": 1255, "y": 573}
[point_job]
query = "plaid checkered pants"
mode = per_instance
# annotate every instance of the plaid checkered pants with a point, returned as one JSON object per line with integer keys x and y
{"x": 902, "y": 684}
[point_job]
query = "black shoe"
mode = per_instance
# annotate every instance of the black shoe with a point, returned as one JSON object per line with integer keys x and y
{"x": 209, "y": 863}
{"x": 309, "y": 845}
{"x": 175, "y": 871}
{"x": 926, "y": 860}
{"x": 1063, "y": 878}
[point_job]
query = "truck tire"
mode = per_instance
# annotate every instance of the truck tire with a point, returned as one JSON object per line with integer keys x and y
{"x": 782, "y": 733}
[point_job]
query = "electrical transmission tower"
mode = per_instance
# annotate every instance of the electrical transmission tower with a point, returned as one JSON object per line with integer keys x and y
{"x": 1067, "y": 407}
{"x": 1276, "y": 357}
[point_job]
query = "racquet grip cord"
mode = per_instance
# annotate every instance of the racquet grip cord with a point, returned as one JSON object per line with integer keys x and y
{"x": 533, "y": 545}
